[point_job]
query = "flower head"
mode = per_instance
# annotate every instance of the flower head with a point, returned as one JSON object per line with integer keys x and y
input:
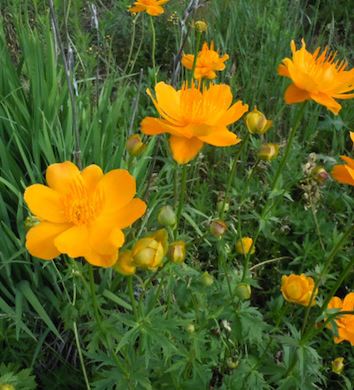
{"x": 268, "y": 152}
{"x": 135, "y": 145}
{"x": 194, "y": 117}
{"x": 298, "y": 289}
{"x": 151, "y": 7}
{"x": 208, "y": 62}
{"x": 82, "y": 213}
{"x": 317, "y": 77}
{"x": 245, "y": 246}
{"x": 345, "y": 173}
{"x": 257, "y": 123}
{"x": 338, "y": 365}
{"x": 125, "y": 264}
{"x": 177, "y": 252}
{"x": 345, "y": 323}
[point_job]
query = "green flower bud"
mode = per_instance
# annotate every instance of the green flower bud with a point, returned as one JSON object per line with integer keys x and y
{"x": 167, "y": 216}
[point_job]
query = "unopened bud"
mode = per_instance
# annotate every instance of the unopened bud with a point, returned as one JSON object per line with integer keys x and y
{"x": 245, "y": 246}
{"x": 167, "y": 216}
{"x": 218, "y": 228}
{"x": 320, "y": 174}
{"x": 257, "y": 123}
{"x": 200, "y": 26}
{"x": 220, "y": 205}
{"x": 30, "y": 221}
{"x": 134, "y": 145}
{"x": 243, "y": 291}
{"x": 125, "y": 264}
{"x": 177, "y": 252}
{"x": 232, "y": 363}
{"x": 7, "y": 386}
{"x": 268, "y": 152}
{"x": 207, "y": 279}
{"x": 338, "y": 365}
{"x": 190, "y": 328}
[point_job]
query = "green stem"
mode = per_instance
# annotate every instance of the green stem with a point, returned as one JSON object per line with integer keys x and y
{"x": 132, "y": 42}
{"x": 77, "y": 340}
{"x": 196, "y": 51}
{"x": 153, "y": 32}
{"x": 182, "y": 195}
{"x": 132, "y": 298}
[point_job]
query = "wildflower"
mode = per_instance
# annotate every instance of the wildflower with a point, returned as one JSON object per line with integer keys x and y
{"x": 200, "y": 26}
{"x": 245, "y": 246}
{"x": 167, "y": 216}
{"x": 125, "y": 264}
{"x": 134, "y": 145}
{"x": 338, "y": 365}
{"x": 298, "y": 289}
{"x": 257, "y": 123}
{"x": 149, "y": 252}
{"x": 345, "y": 173}
{"x": 208, "y": 62}
{"x": 319, "y": 174}
{"x": 177, "y": 252}
{"x": 232, "y": 363}
{"x": 243, "y": 291}
{"x": 218, "y": 228}
{"x": 345, "y": 323}
{"x": 268, "y": 152}
{"x": 82, "y": 213}
{"x": 151, "y": 7}
{"x": 317, "y": 77}
{"x": 194, "y": 117}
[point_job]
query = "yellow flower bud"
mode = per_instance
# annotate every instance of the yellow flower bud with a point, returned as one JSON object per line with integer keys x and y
{"x": 338, "y": 365}
{"x": 200, "y": 26}
{"x": 243, "y": 291}
{"x": 218, "y": 228}
{"x": 257, "y": 123}
{"x": 207, "y": 279}
{"x": 320, "y": 174}
{"x": 190, "y": 328}
{"x": 232, "y": 363}
{"x": 268, "y": 152}
{"x": 7, "y": 386}
{"x": 134, "y": 145}
{"x": 245, "y": 246}
{"x": 167, "y": 216}
{"x": 298, "y": 289}
{"x": 149, "y": 252}
{"x": 125, "y": 264}
{"x": 177, "y": 252}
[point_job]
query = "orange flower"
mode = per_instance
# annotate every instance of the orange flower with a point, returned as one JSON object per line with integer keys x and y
{"x": 345, "y": 323}
{"x": 82, "y": 213}
{"x": 298, "y": 289}
{"x": 151, "y": 7}
{"x": 208, "y": 61}
{"x": 345, "y": 173}
{"x": 194, "y": 117}
{"x": 316, "y": 76}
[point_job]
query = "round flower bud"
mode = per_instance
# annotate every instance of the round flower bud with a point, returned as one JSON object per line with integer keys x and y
{"x": 218, "y": 228}
{"x": 177, "y": 252}
{"x": 243, "y": 291}
{"x": 268, "y": 152}
{"x": 134, "y": 145}
{"x": 257, "y": 123}
{"x": 338, "y": 365}
{"x": 320, "y": 174}
{"x": 190, "y": 328}
{"x": 245, "y": 246}
{"x": 207, "y": 279}
{"x": 200, "y": 26}
{"x": 7, "y": 386}
{"x": 298, "y": 289}
{"x": 167, "y": 216}
{"x": 125, "y": 264}
{"x": 221, "y": 204}
{"x": 232, "y": 363}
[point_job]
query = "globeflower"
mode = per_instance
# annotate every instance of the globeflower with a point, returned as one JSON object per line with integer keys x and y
{"x": 345, "y": 173}
{"x": 208, "y": 62}
{"x": 245, "y": 246}
{"x": 82, "y": 213}
{"x": 345, "y": 322}
{"x": 125, "y": 264}
{"x": 257, "y": 123}
{"x": 151, "y": 7}
{"x": 193, "y": 117}
{"x": 298, "y": 289}
{"x": 317, "y": 77}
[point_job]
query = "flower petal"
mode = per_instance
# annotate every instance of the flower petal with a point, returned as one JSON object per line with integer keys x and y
{"x": 348, "y": 160}
{"x": 40, "y": 239}
{"x": 342, "y": 174}
{"x": 233, "y": 113}
{"x": 221, "y": 137}
{"x": 155, "y": 10}
{"x": 153, "y": 126}
{"x": 184, "y": 149}
{"x": 92, "y": 175}
{"x": 74, "y": 242}
{"x": 293, "y": 94}
{"x": 45, "y": 203}
{"x": 327, "y": 101}
{"x": 62, "y": 176}
{"x": 104, "y": 239}
{"x": 102, "y": 260}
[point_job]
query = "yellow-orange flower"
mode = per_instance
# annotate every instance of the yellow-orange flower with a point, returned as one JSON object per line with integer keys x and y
{"x": 194, "y": 117}
{"x": 298, "y": 289}
{"x": 345, "y": 173}
{"x": 151, "y": 7}
{"x": 208, "y": 62}
{"x": 125, "y": 264}
{"x": 245, "y": 246}
{"x": 317, "y": 77}
{"x": 345, "y": 323}
{"x": 82, "y": 213}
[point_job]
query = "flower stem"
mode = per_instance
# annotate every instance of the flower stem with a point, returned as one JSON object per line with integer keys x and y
{"x": 182, "y": 195}
{"x": 132, "y": 42}
{"x": 77, "y": 340}
{"x": 196, "y": 51}
{"x": 132, "y": 298}
{"x": 153, "y": 32}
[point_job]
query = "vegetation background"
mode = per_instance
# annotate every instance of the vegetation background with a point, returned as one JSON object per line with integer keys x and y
{"x": 43, "y": 304}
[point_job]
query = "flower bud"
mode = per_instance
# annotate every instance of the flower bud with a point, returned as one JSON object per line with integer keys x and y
{"x": 177, "y": 252}
{"x": 200, "y": 26}
{"x": 207, "y": 279}
{"x": 221, "y": 205}
{"x": 268, "y": 152}
{"x": 134, "y": 145}
{"x": 190, "y": 328}
{"x": 149, "y": 252}
{"x": 218, "y": 228}
{"x": 243, "y": 291}
{"x": 338, "y": 365}
{"x": 245, "y": 246}
{"x": 232, "y": 363}
{"x": 7, "y": 386}
{"x": 30, "y": 221}
{"x": 257, "y": 123}
{"x": 125, "y": 264}
{"x": 320, "y": 174}
{"x": 298, "y": 289}
{"x": 167, "y": 216}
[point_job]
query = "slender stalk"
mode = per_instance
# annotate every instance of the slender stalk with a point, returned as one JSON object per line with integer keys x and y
{"x": 153, "y": 32}
{"x": 268, "y": 262}
{"x": 77, "y": 340}
{"x": 182, "y": 195}
{"x": 132, "y": 298}
{"x": 132, "y": 42}
{"x": 196, "y": 51}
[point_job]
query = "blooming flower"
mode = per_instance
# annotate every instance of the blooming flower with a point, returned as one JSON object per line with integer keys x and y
{"x": 245, "y": 246}
{"x": 194, "y": 117}
{"x": 345, "y": 173}
{"x": 208, "y": 61}
{"x": 345, "y": 323}
{"x": 151, "y": 7}
{"x": 298, "y": 289}
{"x": 316, "y": 76}
{"x": 82, "y": 213}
